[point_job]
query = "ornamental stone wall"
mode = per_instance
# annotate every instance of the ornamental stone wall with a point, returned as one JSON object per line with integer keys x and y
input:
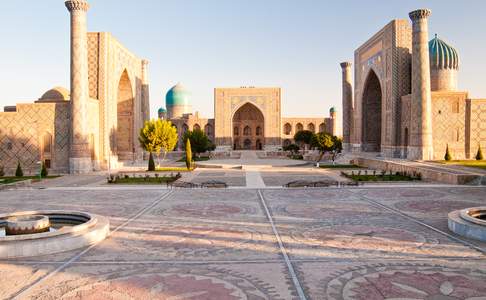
{"x": 475, "y": 126}
{"x": 35, "y": 132}
{"x": 449, "y": 124}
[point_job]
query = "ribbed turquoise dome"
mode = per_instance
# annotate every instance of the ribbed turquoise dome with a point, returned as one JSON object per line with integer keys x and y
{"x": 442, "y": 55}
{"x": 177, "y": 95}
{"x": 332, "y": 110}
{"x": 162, "y": 110}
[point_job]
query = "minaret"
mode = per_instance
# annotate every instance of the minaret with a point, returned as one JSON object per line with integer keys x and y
{"x": 145, "y": 92}
{"x": 421, "y": 145}
{"x": 79, "y": 152}
{"x": 348, "y": 106}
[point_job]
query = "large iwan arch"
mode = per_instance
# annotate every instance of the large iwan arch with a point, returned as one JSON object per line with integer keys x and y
{"x": 125, "y": 118}
{"x": 248, "y": 118}
{"x": 371, "y": 114}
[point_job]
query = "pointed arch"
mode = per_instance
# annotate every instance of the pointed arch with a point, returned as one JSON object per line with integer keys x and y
{"x": 125, "y": 117}
{"x": 250, "y": 118}
{"x": 371, "y": 113}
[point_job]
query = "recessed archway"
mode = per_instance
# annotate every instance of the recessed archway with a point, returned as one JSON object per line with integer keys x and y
{"x": 249, "y": 120}
{"x": 124, "y": 129}
{"x": 371, "y": 114}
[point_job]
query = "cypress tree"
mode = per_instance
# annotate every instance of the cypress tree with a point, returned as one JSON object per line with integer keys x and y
{"x": 447, "y": 155}
{"x": 479, "y": 155}
{"x": 44, "y": 172}
{"x": 188, "y": 154}
{"x": 151, "y": 163}
{"x": 19, "y": 172}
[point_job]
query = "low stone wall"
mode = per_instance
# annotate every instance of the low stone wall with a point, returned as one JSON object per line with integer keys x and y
{"x": 428, "y": 174}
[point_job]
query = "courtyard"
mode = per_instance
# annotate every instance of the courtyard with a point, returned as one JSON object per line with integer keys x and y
{"x": 367, "y": 242}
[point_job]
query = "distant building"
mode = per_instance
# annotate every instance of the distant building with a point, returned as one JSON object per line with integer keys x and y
{"x": 244, "y": 118}
{"x": 406, "y": 103}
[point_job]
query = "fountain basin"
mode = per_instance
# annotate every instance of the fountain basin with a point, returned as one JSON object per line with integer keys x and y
{"x": 469, "y": 222}
{"x": 27, "y": 224}
{"x": 68, "y": 230}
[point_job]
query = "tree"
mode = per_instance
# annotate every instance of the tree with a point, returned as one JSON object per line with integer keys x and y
{"x": 323, "y": 142}
{"x": 44, "y": 172}
{"x": 304, "y": 137}
{"x": 200, "y": 142}
{"x": 188, "y": 154}
{"x": 151, "y": 163}
{"x": 447, "y": 155}
{"x": 19, "y": 172}
{"x": 292, "y": 148}
{"x": 479, "y": 154}
{"x": 337, "y": 147}
{"x": 158, "y": 135}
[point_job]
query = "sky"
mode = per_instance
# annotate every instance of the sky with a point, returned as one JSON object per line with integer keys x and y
{"x": 293, "y": 44}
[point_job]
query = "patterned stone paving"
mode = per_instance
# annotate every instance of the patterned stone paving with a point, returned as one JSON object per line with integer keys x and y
{"x": 330, "y": 243}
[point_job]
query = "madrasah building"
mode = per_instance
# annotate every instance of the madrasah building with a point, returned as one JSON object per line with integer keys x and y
{"x": 406, "y": 102}
{"x": 245, "y": 118}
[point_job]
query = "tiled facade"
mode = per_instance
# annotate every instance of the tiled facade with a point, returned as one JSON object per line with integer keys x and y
{"x": 402, "y": 106}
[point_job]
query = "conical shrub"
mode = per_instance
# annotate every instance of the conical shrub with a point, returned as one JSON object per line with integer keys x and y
{"x": 44, "y": 172}
{"x": 151, "y": 163}
{"x": 188, "y": 155}
{"x": 479, "y": 154}
{"x": 19, "y": 172}
{"x": 447, "y": 155}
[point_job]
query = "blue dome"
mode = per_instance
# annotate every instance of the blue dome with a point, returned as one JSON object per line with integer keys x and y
{"x": 177, "y": 95}
{"x": 162, "y": 110}
{"x": 442, "y": 55}
{"x": 332, "y": 110}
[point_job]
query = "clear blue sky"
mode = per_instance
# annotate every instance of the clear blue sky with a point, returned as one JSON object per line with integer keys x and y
{"x": 294, "y": 44}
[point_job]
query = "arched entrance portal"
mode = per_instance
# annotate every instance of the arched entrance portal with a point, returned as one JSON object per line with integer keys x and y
{"x": 249, "y": 120}
{"x": 124, "y": 116}
{"x": 371, "y": 114}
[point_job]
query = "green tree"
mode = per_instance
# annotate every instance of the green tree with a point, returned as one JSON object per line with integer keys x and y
{"x": 479, "y": 154}
{"x": 324, "y": 142}
{"x": 447, "y": 155}
{"x": 188, "y": 154}
{"x": 200, "y": 142}
{"x": 158, "y": 135}
{"x": 304, "y": 137}
{"x": 44, "y": 171}
{"x": 151, "y": 163}
{"x": 337, "y": 147}
{"x": 19, "y": 172}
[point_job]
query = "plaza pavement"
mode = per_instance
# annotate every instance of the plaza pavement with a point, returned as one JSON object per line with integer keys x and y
{"x": 370, "y": 242}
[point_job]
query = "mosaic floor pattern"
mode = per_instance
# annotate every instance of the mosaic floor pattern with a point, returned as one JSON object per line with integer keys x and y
{"x": 346, "y": 243}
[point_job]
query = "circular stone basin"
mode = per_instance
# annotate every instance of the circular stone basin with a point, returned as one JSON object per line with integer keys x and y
{"x": 68, "y": 230}
{"x": 27, "y": 224}
{"x": 469, "y": 222}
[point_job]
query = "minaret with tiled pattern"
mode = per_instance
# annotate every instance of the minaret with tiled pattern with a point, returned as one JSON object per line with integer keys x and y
{"x": 421, "y": 145}
{"x": 79, "y": 152}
